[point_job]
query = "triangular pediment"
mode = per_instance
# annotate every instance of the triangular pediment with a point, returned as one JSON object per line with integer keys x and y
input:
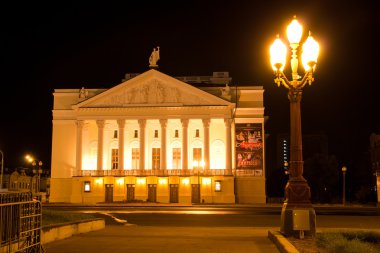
{"x": 152, "y": 88}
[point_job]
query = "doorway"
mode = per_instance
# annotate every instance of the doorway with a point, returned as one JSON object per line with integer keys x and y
{"x": 195, "y": 194}
{"x": 174, "y": 193}
{"x": 152, "y": 192}
{"x": 130, "y": 192}
{"x": 109, "y": 193}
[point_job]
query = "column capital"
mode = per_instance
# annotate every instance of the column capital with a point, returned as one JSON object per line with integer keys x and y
{"x": 142, "y": 122}
{"x": 100, "y": 123}
{"x": 228, "y": 122}
{"x": 206, "y": 122}
{"x": 185, "y": 122}
{"x": 80, "y": 123}
{"x": 163, "y": 122}
{"x": 121, "y": 123}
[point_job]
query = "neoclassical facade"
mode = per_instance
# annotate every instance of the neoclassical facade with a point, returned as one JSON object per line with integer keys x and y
{"x": 161, "y": 139}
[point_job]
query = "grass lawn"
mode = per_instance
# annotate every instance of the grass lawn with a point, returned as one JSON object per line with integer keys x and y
{"x": 50, "y": 217}
{"x": 349, "y": 241}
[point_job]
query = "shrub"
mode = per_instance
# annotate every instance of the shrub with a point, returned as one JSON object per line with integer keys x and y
{"x": 349, "y": 242}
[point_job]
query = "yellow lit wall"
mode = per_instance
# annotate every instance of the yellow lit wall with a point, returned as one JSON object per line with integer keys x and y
{"x": 63, "y": 148}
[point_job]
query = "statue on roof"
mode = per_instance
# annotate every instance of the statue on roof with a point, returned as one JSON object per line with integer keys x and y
{"x": 154, "y": 57}
{"x": 83, "y": 93}
{"x": 226, "y": 92}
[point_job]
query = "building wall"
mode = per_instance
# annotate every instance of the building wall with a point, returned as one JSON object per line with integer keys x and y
{"x": 68, "y": 183}
{"x": 63, "y": 148}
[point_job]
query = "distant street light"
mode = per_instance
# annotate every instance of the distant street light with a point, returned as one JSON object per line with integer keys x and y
{"x": 297, "y": 190}
{"x": 36, "y": 171}
{"x": 344, "y": 170}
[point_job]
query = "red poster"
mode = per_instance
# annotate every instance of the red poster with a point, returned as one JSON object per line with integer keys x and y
{"x": 249, "y": 147}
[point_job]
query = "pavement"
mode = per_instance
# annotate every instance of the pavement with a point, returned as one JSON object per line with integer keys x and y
{"x": 145, "y": 239}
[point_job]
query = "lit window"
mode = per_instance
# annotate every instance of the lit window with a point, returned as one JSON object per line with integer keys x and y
{"x": 197, "y": 133}
{"x": 156, "y": 158}
{"x": 87, "y": 186}
{"x": 197, "y": 158}
{"x": 176, "y": 134}
{"x": 115, "y": 159}
{"x": 218, "y": 186}
{"x": 155, "y": 133}
{"x": 176, "y": 158}
{"x": 135, "y": 158}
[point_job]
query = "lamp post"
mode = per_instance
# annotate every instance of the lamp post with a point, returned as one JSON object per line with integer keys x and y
{"x": 297, "y": 190}
{"x": 38, "y": 171}
{"x": 344, "y": 170}
{"x": 198, "y": 165}
{"x": 2, "y": 169}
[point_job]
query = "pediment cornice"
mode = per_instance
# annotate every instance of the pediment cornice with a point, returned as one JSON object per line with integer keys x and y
{"x": 152, "y": 88}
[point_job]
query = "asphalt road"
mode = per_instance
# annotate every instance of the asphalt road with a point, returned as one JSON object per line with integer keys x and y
{"x": 199, "y": 216}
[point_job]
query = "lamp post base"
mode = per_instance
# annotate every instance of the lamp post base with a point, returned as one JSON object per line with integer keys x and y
{"x": 297, "y": 218}
{"x": 298, "y": 215}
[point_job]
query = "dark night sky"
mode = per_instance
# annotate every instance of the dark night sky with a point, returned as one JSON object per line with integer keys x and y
{"x": 59, "y": 44}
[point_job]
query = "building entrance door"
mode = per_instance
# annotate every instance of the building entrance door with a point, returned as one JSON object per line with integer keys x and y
{"x": 195, "y": 194}
{"x": 130, "y": 192}
{"x": 174, "y": 193}
{"x": 109, "y": 193}
{"x": 152, "y": 192}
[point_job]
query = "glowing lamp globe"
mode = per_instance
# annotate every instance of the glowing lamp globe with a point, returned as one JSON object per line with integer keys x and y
{"x": 310, "y": 51}
{"x": 294, "y": 32}
{"x": 278, "y": 55}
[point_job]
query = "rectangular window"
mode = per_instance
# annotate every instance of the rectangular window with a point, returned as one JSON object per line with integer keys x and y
{"x": 115, "y": 134}
{"x": 197, "y": 158}
{"x": 136, "y": 135}
{"x": 135, "y": 158}
{"x": 197, "y": 133}
{"x": 218, "y": 186}
{"x": 155, "y": 158}
{"x": 176, "y": 158}
{"x": 155, "y": 133}
{"x": 176, "y": 134}
{"x": 115, "y": 159}
{"x": 87, "y": 186}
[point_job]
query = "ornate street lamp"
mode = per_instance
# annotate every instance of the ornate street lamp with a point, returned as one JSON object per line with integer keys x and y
{"x": 297, "y": 190}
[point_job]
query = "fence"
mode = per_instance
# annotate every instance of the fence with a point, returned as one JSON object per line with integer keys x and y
{"x": 20, "y": 222}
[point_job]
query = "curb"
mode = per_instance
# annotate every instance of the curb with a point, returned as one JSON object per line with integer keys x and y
{"x": 61, "y": 231}
{"x": 282, "y": 244}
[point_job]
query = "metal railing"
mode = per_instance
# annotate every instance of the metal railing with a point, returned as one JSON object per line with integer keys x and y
{"x": 20, "y": 223}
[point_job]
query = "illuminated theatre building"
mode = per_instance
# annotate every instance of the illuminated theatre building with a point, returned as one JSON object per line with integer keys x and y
{"x": 159, "y": 138}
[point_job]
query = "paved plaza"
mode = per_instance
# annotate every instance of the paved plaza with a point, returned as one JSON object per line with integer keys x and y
{"x": 149, "y": 239}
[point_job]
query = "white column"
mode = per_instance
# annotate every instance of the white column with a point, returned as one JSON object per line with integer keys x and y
{"x": 206, "y": 144}
{"x": 142, "y": 124}
{"x": 228, "y": 122}
{"x": 163, "y": 123}
{"x": 121, "y": 124}
{"x": 100, "y": 124}
{"x": 80, "y": 124}
{"x": 185, "y": 124}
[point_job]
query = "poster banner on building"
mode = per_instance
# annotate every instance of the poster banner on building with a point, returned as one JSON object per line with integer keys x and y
{"x": 249, "y": 148}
